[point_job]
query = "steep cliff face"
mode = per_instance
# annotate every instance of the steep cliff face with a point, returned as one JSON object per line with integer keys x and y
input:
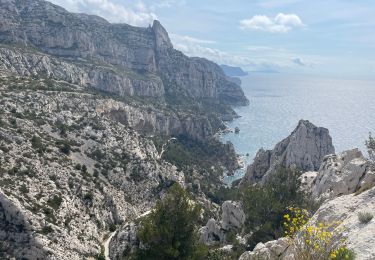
{"x": 304, "y": 149}
{"x": 119, "y": 58}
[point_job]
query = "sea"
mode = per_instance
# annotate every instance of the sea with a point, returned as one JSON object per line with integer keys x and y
{"x": 277, "y": 102}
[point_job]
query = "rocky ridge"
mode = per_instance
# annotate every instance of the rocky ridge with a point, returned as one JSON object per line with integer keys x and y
{"x": 304, "y": 150}
{"x": 117, "y": 58}
{"x": 345, "y": 185}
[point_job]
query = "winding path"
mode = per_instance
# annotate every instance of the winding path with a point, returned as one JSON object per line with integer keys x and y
{"x": 108, "y": 241}
{"x": 106, "y": 245}
{"x": 164, "y": 145}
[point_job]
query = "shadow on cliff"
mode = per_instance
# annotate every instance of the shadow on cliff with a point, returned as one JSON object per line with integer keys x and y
{"x": 17, "y": 238}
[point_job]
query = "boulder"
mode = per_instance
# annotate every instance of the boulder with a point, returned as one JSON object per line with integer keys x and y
{"x": 212, "y": 233}
{"x": 341, "y": 174}
{"x": 307, "y": 181}
{"x": 272, "y": 250}
{"x": 124, "y": 242}
{"x": 232, "y": 216}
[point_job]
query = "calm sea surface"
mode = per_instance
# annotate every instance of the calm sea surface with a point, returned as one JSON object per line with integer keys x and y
{"x": 278, "y": 102}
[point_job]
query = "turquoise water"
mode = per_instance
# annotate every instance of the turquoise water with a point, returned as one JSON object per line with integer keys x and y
{"x": 278, "y": 102}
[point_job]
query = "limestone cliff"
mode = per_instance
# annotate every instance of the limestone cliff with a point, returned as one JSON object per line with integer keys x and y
{"x": 117, "y": 58}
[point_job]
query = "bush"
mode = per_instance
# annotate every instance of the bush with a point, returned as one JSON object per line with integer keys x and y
{"x": 66, "y": 148}
{"x": 170, "y": 230}
{"x": 370, "y": 144}
{"x": 312, "y": 242}
{"x": 365, "y": 217}
{"x": 112, "y": 227}
{"x": 37, "y": 144}
{"x": 24, "y": 189}
{"x": 46, "y": 230}
{"x": 55, "y": 202}
{"x": 266, "y": 205}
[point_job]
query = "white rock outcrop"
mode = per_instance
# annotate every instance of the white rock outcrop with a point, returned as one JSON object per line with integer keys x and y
{"x": 345, "y": 209}
{"x": 340, "y": 175}
{"x": 232, "y": 218}
{"x": 304, "y": 149}
{"x": 272, "y": 250}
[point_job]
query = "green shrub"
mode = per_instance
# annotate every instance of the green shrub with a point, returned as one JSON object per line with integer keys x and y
{"x": 46, "y": 230}
{"x": 66, "y": 148}
{"x": 24, "y": 189}
{"x": 343, "y": 253}
{"x": 170, "y": 230}
{"x": 365, "y": 217}
{"x": 112, "y": 227}
{"x": 37, "y": 144}
{"x": 370, "y": 144}
{"x": 265, "y": 205}
{"x": 55, "y": 202}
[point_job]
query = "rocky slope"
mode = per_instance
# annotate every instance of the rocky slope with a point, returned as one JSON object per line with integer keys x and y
{"x": 69, "y": 173}
{"x": 117, "y": 58}
{"x": 344, "y": 184}
{"x": 304, "y": 149}
{"x": 344, "y": 210}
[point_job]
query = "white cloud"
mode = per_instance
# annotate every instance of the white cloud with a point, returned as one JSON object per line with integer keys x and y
{"x": 167, "y": 3}
{"x": 194, "y": 47}
{"x": 303, "y": 62}
{"x": 137, "y": 15}
{"x": 185, "y": 38}
{"x": 281, "y": 23}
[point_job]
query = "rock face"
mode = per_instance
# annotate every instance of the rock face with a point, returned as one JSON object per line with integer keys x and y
{"x": 272, "y": 250}
{"x": 341, "y": 175}
{"x": 304, "y": 149}
{"x": 212, "y": 233}
{"x": 14, "y": 227}
{"x": 345, "y": 209}
{"x": 232, "y": 218}
{"x": 68, "y": 172}
{"x": 116, "y": 58}
{"x": 124, "y": 242}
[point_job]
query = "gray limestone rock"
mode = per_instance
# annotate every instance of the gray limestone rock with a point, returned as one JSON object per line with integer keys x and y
{"x": 304, "y": 149}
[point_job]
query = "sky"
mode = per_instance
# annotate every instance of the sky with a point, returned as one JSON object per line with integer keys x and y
{"x": 322, "y": 37}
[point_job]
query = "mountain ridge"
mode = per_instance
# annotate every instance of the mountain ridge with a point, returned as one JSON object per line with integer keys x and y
{"x": 54, "y": 31}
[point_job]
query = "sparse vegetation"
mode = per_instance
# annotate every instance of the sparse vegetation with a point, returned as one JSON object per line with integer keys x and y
{"x": 37, "y": 144}
{"x": 46, "y": 230}
{"x": 265, "y": 205}
{"x": 364, "y": 188}
{"x": 312, "y": 242}
{"x": 370, "y": 143}
{"x": 55, "y": 202}
{"x": 365, "y": 217}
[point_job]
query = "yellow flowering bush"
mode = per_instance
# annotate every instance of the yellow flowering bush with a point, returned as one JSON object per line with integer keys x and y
{"x": 314, "y": 242}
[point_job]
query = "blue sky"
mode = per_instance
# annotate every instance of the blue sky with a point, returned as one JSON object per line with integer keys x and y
{"x": 331, "y": 37}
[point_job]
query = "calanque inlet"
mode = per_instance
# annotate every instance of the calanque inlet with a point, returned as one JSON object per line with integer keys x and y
{"x": 108, "y": 150}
